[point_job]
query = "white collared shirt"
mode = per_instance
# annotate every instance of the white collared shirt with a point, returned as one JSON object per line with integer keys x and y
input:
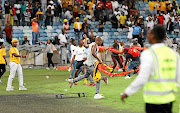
{"x": 147, "y": 69}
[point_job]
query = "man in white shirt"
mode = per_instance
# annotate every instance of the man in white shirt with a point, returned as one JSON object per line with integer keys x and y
{"x": 130, "y": 31}
{"x": 80, "y": 57}
{"x": 117, "y": 13}
{"x": 150, "y": 22}
{"x": 115, "y": 4}
{"x": 154, "y": 75}
{"x": 125, "y": 9}
{"x": 166, "y": 18}
{"x": 18, "y": 7}
{"x": 68, "y": 15}
{"x": 62, "y": 38}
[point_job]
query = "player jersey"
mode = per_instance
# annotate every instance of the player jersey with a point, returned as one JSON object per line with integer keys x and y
{"x": 73, "y": 48}
{"x": 80, "y": 53}
{"x": 12, "y": 57}
{"x": 2, "y": 53}
{"x": 90, "y": 58}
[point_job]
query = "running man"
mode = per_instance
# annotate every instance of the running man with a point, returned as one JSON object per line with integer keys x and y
{"x": 80, "y": 57}
{"x": 3, "y": 61}
{"x": 15, "y": 66}
{"x": 89, "y": 64}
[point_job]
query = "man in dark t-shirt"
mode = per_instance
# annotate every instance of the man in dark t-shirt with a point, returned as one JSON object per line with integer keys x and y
{"x": 48, "y": 17}
{"x": 115, "y": 56}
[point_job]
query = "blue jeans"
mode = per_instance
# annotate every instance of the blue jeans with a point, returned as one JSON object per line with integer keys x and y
{"x": 35, "y": 37}
{"x": 78, "y": 36}
{"x": 73, "y": 71}
{"x": 133, "y": 64}
{"x": 40, "y": 23}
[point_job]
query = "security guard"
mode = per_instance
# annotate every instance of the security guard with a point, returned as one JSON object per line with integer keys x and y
{"x": 159, "y": 74}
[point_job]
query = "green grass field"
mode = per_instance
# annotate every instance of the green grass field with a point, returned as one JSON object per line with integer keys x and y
{"x": 37, "y": 83}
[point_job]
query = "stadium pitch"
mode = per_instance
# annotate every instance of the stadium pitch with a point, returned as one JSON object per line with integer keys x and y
{"x": 43, "y": 85}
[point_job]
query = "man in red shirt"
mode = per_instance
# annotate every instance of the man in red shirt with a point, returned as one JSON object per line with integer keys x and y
{"x": 100, "y": 5}
{"x": 108, "y": 4}
{"x": 8, "y": 31}
{"x": 161, "y": 19}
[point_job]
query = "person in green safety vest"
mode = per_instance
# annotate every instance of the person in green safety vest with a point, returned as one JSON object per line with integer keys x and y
{"x": 159, "y": 74}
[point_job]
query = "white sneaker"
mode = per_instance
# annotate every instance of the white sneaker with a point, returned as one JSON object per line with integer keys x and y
{"x": 0, "y": 81}
{"x": 127, "y": 77}
{"x": 54, "y": 68}
{"x": 70, "y": 82}
{"x": 22, "y": 88}
{"x": 98, "y": 96}
{"x": 120, "y": 70}
{"x": 47, "y": 68}
{"x": 9, "y": 89}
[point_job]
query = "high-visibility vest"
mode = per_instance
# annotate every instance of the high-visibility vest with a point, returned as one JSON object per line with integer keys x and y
{"x": 162, "y": 87}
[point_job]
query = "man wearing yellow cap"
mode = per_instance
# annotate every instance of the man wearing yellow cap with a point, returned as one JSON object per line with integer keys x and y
{"x": 66, "y": 27}
{"x": 25, "y": 42}
{"x": 77, "y": 28}
{"x": 15, "y": 67}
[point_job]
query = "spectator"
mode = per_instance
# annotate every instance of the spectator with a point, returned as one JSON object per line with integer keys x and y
{"x": 174, "y": 4}
{"x": 48, "y": 17}
{"x": 136, "y": 31}
{"x": 89, "y": 17}
{"x": 125, "y": 9}
{"x": 7, "y": 12}
{"x": 40, "y": 17}
{"x": 140, "y": 21}
{"x": 75, "y": 10}
{"x": 8, "y": 31}
{"x": 123, "y": 19}
{"x": 100, "y": 5}
{"x": 96, "y": 13}
{"x": 175, "y": 44}
{"x": 108, "y": 9}
{"x": 86, "y": 27}
{"x": 68, "y": 16}
{"x": 162, "y": 6}
{"x": 166, "y": 18}
{"x": 117, "y": 13}
{"x": 101, "y": 26}
{"x": 176, "y": 26}
{"x": 27, "y": 17}
{"x": 114, "y": 21}
{"x": 135, "y": 43}
{"x": 35, "y": 31}
{"x": 77, "y": 28}
{"x": 23, "y": 9}
{"x": 14, "y": 15}
{"x": 150, "y": 22}
{"x": 56, "y": 14}
{"x": 160, "y": 19}
{"x": 64, "y": 4}
{"x": 25, "y": 42}
{"x": 0, "y": 15}
{"x": 115, "y": 4}
{"x": 130, "y": 33}
{"x": 11, "y": 15}
{"x": 92, "y": 36}
{"x": 90, "y": 6}
{"x": 56, "y": 41}
{"x": 51, "y": 4}
{"x": 130, "y": 22}
{"x": 62, "y": 39}
{"x": 66, "y": 27}
{"x": 18, "y": 12}
{"x": 169, "y": 26}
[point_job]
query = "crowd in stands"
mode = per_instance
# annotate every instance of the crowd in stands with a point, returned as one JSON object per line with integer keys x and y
{"x": 87, "y": 15}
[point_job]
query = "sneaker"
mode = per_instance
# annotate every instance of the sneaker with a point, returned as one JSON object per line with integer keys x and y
{"x": 47, "y": 68}
{"x": 75, "y": 84}
{"x": 98, "y": 96}
{"x": 9, "y": 89}
{"x": 85, "y": 84}
{"x": 106, "y": 80}
{"x": 127, "y": 77}
{"x": 70, "y": 82}
{"x": 22, "y": 88}
{"x": 54, "y": 68}
{"x": 120, "y": 70}
{"x": 92, "y": 84}
{"x": 0, "y": 81}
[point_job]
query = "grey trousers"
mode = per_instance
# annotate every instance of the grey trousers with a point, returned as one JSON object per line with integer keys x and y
{"x": 89, "y": 71}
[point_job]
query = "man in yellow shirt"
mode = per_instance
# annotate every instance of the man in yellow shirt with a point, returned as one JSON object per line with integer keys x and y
{"x": 90, "y": 5}
{"x": 123, "y": 19}
{"x": 163, "y": 6}
{"x": 15, "y": 67}
{"x": 2, "y": 60}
